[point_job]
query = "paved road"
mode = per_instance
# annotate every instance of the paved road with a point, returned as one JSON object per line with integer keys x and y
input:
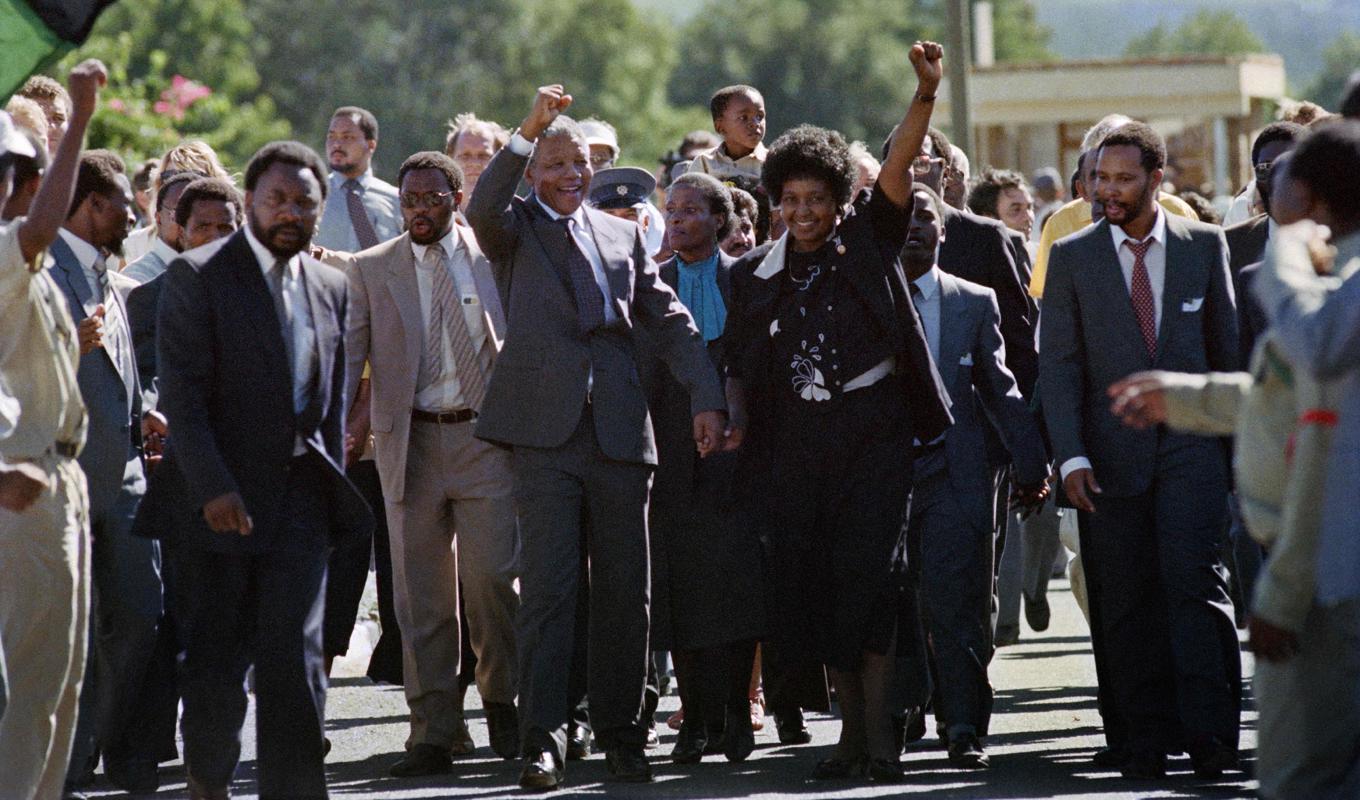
{"x": 1043, "y": 734}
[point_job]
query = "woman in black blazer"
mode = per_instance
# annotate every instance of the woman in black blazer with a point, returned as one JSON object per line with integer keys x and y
{"x": 833, "y": 384}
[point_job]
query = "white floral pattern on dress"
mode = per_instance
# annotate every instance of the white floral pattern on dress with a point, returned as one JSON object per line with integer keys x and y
{"x": 808, "y": 381}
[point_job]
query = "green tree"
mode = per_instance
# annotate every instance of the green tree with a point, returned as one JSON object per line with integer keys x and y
{"x": 1207, "y": 33}
{"x": 1339, "y": 60}
{"x": 179, "y": 69}
{"x": 1017, "y": 34}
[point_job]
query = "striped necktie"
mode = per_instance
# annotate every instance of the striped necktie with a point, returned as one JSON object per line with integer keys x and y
{"x": 446, "y": 316}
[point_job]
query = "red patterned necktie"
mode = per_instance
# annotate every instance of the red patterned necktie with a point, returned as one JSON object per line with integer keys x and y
{"x": 1140, "y": 293}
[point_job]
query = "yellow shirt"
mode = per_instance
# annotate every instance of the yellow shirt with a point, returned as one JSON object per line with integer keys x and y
{"x": 1075, "y": 216}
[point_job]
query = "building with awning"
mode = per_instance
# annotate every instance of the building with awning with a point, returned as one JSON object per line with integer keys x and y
{"x": 1027, "y": 116}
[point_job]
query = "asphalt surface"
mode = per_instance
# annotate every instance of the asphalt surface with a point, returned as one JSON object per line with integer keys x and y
{"x": 1044, "y": 730}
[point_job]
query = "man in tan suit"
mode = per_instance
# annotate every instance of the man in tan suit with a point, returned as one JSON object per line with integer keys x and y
{"x": 426, "y": 316}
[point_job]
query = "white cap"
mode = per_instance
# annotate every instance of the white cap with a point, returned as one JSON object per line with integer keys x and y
{"x": 11, "y": 140}
{"x": 600, "y": 133}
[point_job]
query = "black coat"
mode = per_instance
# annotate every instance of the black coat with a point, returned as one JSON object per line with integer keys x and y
{"x": 706, "y": 562}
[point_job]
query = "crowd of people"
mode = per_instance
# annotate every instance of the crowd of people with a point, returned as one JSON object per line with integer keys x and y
{"x": 781, "y": 422}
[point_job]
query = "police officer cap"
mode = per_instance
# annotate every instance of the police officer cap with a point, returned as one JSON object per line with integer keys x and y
{"x": 621, "y": 187}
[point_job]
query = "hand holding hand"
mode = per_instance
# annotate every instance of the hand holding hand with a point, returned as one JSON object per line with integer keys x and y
{"x": 19, "y": 487}
{"x": 1080, "y": 485}
{"x": 154, "y": 431}
{"x": 710, "y": 432}
{"x": 1029, "y": 499}
{"x": 548, "y": 104}
{"x": 1139, "y": 399}
{"x": 90, "y": 331}
{"x": 1271, "y": 642}
{"x": 84, "y": 83}
{"x": 926, "y": 59}
{"x": 226, "y": 513}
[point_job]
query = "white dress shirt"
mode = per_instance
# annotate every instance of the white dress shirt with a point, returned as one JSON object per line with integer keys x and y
{"x": 580, "y": 232}
{"x": 145, "y": 270}
{"x": 1155, "y": 262}
{"x": 304, "y": 357}
{"x": 447, "y": 395}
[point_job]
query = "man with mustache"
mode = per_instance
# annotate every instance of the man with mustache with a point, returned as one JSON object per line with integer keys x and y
{"x": 426, "y": 316}
{"x": 128, "y": 607}
{"x": 251, "y": 493}
{"x": 1145, "y": 289}
{"x": 361, "y": 209}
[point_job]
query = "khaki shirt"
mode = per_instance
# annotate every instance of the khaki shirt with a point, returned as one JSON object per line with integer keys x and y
{"x": 719, "y": 164}
{"x": 39, "y": 354}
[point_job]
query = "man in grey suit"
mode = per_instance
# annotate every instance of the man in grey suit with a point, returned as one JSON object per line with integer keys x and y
{"x": 426, "y": 316}
{"x": 566, "y": 397}
{"x": 251, "y": 493}
{"x": 126, "y": 700}
{"x": 950, "y": 528}
{"x": 1142, "y": 289}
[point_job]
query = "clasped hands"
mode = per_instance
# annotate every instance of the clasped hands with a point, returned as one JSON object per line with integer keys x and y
{"x": 713, "y": 433}
{"x": 1029, "y": 499}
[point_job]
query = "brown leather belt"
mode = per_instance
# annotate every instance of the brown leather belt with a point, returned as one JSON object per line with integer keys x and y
{"x": 444, "y": 417}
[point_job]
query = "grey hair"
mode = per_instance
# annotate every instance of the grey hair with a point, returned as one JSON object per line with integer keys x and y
{"x": 1100, "y": 130}
{"x": 563, "y": 127}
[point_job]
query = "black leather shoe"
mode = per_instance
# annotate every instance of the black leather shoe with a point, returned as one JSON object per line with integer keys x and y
{"x": 791, "y": 728}
{"x": 628, "y": 765}
{"x": 578, "y": 743}
{"x": 133, "y": 777}
{"x": 422, "y": 759}
{"x": 1037, "y": 613}
{"x": 909, "y": 727}
{"x": 1144, "y": 765}
{"x": 502, "y": 725}
{"x": 739, "y": 738}
{"x": 965, "y": 752}
{"x": 1110, "y": 757}
{"x": 1211, "y": 758}
{"x": 885, "y": 770}
{"x": 690, "y": 744}
{"x": 540, "y": 772}
{"x": 835, "y": 769}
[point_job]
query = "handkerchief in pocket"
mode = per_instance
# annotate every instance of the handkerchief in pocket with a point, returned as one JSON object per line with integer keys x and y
{"x": 1191, "y": 306}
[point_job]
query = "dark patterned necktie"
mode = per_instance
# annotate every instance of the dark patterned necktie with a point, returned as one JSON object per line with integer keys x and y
{"x": 1140, "y": 293}
{"x": 589, "y": 298}
{"x": 358, "y": 217}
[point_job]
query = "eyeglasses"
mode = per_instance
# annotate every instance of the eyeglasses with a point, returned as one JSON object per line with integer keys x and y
{"x": 426, "y": 199}
{"x": 923, "y": 164}
{"x": 600, "y": 160}
{"x": 1263, "y": 169}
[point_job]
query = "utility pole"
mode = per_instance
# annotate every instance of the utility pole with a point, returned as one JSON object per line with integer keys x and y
{"x": 958, "y": 57}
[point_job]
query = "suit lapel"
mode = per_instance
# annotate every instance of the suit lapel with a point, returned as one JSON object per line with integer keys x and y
{"x": 485, "y": 282}
{"x": 1107, "y": 277}
{"x": 258, "y": 310}
{"x": 405, "y": 290}
{"x": 323, "y": 324}
{"x": 951, "y": 327}
{"x": 616, "y": 256}
{"x": 1178, "y": 285}
{"x": 64, "y": 259}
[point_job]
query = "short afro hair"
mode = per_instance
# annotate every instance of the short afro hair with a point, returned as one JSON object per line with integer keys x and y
{"x": 1276, "y": 132}
{"x": 718, "y": 103}
{"x": 936, "y": 201}
{"x": 808, "y": 151}
{"x": 168, "y": 184}
{"x": 431, "y": 159}
{"x": 1151, "y": 148}
{"x": 98, "y": 174}
{"x": 719, "y": 199}
{"x": 987, "y": 189}
{"x": 1327, "y": 161}
{"x": 362, "y": 117}
{"x": 285, "y": 152}
{"x": 200, "y": 189}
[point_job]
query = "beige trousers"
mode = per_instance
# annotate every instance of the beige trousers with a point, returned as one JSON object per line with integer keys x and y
{"x": 455, "y": 523}
{"x": 44, "y": 620}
